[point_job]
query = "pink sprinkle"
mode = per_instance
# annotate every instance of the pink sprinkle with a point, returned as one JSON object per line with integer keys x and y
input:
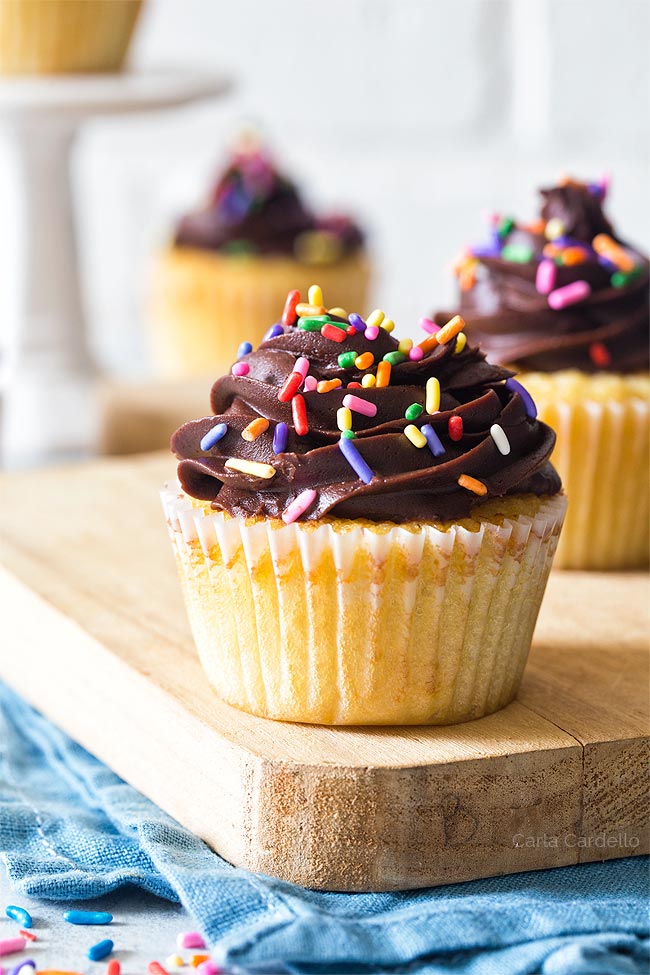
{"x": 371, "y": 332}
{"x": 569, "y": 294}
{"x": 301, "y": 365}
{"x": 359, "y": 405}
{"x": 298, "y": 506}
{"x": 416, "y": 353}
{"x": 310, "y": 383}
{"x": 240, "y": 369}
{"x": 10, "y": 945}
{"x": 190, "y": 939}
{"x": 208, "y": 968}
{"x": 545, "y": 278}
{"x": 428, "y": 325}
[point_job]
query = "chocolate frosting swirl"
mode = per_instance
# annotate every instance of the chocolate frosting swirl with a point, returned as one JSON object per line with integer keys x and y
{"x": 255, "y": 209}
{"x": 515, "y": 323}
{"x": 408, "y": 483}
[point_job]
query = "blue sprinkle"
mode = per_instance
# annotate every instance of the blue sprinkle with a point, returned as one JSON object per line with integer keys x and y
{"x": 485, "y": 250}
{"x": 273, "y": 332}
{"x": 357, "y": 321}
{"x": 515, "y": 387}
{"x": 433, "y": 440}
{"x": 355, "y": 460}
{"x": 213, "y": 436}
{"x": 22, "y": 966}
{"x": 280, "y": 435}
{"x": 19, "y": 914}
{"x": 100, "y": 950}
{"x": 87, "y": 917}
{"x": 244, "y": 349}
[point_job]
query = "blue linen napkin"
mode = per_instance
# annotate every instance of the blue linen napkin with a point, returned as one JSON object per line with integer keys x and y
{"x": 71, "y": 829}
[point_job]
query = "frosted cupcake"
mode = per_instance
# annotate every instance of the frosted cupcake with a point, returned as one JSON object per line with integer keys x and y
{"x": 565, "y": 301}
{"x": 232, "y": 262}
{"x": 364, "y": 528}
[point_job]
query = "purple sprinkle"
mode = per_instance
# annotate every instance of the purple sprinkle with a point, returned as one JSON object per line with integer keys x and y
{"x": 357, "y": 321}
{"x": 280, "y": 436}
{"x": 433, "y": 440}
{"x": 485, "y": 250}
{"x": 244, "y": 349}
{"x": 514, "y": 387}
{"x": 355, "y": 460}
{"x": 213, "y": 436}
{"x": 22, "y": 966}
{"x": 273, "y": 332}
{"x": 606, "y": 263}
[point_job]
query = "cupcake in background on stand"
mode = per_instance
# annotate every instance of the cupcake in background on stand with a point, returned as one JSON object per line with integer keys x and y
{"x": 564, "y": 301}
{"x": 232, "y": 262}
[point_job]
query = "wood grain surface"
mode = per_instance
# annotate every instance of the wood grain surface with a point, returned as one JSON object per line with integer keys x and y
{"x": 97, "y": 638}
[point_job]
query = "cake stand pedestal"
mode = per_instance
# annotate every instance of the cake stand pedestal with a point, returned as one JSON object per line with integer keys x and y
{"x": 47, "y": 375}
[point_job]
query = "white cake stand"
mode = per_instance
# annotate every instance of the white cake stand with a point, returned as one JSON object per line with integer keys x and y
{"x": 47, "y": 376}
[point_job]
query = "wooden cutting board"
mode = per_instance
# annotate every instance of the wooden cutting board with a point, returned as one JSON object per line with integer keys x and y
{"x": 95, "y": 635}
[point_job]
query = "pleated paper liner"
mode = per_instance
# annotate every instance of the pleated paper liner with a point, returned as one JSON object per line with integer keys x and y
{"x": 602, "y": 455}
{"x": 351, "y": 622}
{"x": 203, "y": 305}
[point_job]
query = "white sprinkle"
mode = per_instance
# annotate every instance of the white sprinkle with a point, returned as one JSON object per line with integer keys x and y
{"x": 498, "y": 434}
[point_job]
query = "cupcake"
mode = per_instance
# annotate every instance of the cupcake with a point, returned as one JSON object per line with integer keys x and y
{"x": 364, "y": 528}
{"x": 65, "y": 36}
{"x": 564, "y": 301}
{"x": 232, "y": 262}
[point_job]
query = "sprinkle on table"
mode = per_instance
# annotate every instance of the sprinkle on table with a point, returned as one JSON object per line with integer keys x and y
{"x": 155, "y": 968}
{"x": 87, "y": 917}
{"x": 190, "y": 939}
{"x": 20, "y": 915}
{"x": 355, "y": 460}
{"x": 252, "y": 467}
{"x": 9, "y": 946}
{"x": 101, "y": 950}
{"x": 472, "y": 484}
{"x": 298, "y": 506}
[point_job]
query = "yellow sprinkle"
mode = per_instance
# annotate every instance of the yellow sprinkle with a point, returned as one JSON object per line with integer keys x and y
{"x": 305, "y": 309}
{"x": 375, "y": 317}
{"x": 405, "y": 345}
{"x": 461, "y": 342}
{"x": 174, "y": 961}
{"x": 472, "y": 484}
{"x": 364, "y": 361}
{"x": 326, "y": 385}
{"x": 432, "y": 401}
{"x": 388, "y": 324}
{"x": 344, "y": 418}
{"x": 250, "y": 467}
{"x": 554, "y": 228}
{"x": 416, "y": 436}
{"x": 369, "y": 380}
{"x": 338, "y": 312}
{"x": 315, "y": 295}
{"x": 450, "y": 330}
{"x": 254, "y": 429}
{"x": 383, "y": 373}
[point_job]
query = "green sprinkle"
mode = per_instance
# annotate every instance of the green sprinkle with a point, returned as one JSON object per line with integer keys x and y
{"x": 347, "y": 359}
{"x": 342, "y": 325}
{"x": 506, "y": 225}
{"x": 313, "y": 324}
{"x": 517, "y": 253}
{"x": 620, "y": 279}
{"x": 394, "y": 358}
{"x": 414, "y": 411}
{"x": 238, "y": 247}
{"x": 348, "y": 434}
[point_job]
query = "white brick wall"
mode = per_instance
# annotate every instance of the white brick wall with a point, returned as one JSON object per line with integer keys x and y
{"x": 415, "y": 114}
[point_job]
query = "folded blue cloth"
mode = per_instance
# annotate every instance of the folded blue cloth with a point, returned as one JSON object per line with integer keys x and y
{"x": 71, "y": 829}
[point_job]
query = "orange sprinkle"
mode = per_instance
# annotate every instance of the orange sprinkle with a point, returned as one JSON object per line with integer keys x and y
{"x": 550, "y": 250}
{"x": 113, "y": 967}
{"x": 429, "y": 343}
{"x": 535, "y": 226}
{"x": 450, "y": 330}
{"x": 472, "y": 484}
{"x": 606, "y": 247}
{"x": 461, "y": 261}
{"x": 327, "y": 385}
{"x": 573, "y": 255}
{"x": 304, "y": 309}
{"x": 254, "y": 429}
{"x": 467, "y": 279}
{"x": 383, "y": 373}
{"x": 27, "y": 934}
{"x": 364, "y": 361}
{"x": 197, "y": 960}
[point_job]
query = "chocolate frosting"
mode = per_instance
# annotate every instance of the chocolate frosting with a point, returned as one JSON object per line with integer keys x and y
{"x": 515, "y": 324}
{"x": 255, "y": 209}
{"x": 409, "y": 483}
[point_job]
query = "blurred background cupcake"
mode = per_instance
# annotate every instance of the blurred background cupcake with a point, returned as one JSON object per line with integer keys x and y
{"x": 232, "y": 262}
{"x": 564, "y": 300}
{"x": 65, "y": 36}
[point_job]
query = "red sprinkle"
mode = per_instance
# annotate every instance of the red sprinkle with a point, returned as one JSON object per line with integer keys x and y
{"x": 290, "y": 315}
{"x": 333, "y": 333}
{"x": 155, "y": 968}
{"x": 299, "y": 411}
{"x": 455, "y": 427}
{"x": 351, "y": 330}
{"x": 27, "y": 934}
{"x": 600, "y": 355}
{"x": 354, "y": 386}
{"x": 291, "y": 386}
{"x": 113, "y": 967}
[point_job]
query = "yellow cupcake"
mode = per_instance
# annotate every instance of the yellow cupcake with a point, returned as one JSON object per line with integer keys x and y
{"x": 65, "y": 36}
